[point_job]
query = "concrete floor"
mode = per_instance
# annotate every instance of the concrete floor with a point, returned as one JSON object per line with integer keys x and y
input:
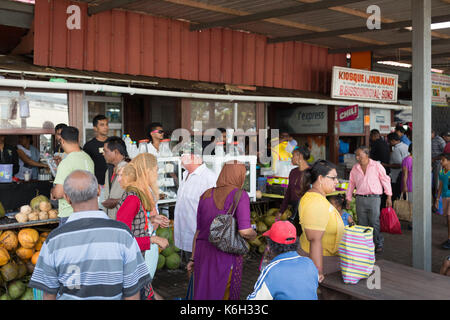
{"x": 397, "y": 248}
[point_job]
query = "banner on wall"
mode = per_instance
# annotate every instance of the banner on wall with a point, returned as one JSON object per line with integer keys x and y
{"x": 380, "y": 119}
{"x": 347, "y": 113}
{"x": 354, "y": 126}
{"x": 309, "y": 119}
{"x": 363, "y": 85}
{"x": 440, "y": 85}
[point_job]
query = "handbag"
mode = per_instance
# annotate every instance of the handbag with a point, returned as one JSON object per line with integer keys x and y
{"x": 223, "y": 232}
{"x": 357, "y": 253}
{"x": 403, "y": 208}
{"x": 389, "y": 222}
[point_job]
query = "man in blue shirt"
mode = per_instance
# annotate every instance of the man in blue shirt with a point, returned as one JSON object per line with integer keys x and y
{"x": 288, "y": 276}
{"x": 401, "y": 132}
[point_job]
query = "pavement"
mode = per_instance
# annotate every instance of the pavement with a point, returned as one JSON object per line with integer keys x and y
{"x": 171, "y": 284}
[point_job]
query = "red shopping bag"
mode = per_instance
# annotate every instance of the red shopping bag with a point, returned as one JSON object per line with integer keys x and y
{"x": 389, "y": 222}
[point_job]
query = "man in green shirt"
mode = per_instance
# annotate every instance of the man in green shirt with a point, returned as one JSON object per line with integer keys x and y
{"x": 76, "y": 159}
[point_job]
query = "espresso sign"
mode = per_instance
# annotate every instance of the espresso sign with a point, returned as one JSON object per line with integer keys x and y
{"x": 347, "y": 113}
{"x": 356, "y": 84}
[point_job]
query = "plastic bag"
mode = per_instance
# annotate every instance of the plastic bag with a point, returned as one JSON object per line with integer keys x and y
{"x": 389, "y": 222}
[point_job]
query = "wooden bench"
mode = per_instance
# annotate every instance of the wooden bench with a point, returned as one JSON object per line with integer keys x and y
{"x": 397, "y": 282}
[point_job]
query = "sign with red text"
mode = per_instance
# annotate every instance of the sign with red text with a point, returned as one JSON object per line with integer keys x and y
{"x": 347, "y": 113}
{"x": 356, "y": 84}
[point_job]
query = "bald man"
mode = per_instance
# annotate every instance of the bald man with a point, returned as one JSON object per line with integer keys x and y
{"x": 89, "y": 243}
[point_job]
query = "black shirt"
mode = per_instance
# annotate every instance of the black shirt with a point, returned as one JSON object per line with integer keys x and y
{"x": 94, "y": 149}
{"x": 379, "y": 151}
{"x": 9, "y": 156}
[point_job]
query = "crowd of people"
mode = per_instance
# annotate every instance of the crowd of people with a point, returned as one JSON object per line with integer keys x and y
{"x": 115, "y": 249}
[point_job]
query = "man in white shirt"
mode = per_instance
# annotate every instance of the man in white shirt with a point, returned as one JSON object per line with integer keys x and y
{"x": 196, "y": 179}
{"x": 399, "y": 152}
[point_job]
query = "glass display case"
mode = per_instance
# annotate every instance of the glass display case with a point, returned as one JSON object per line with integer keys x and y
{"x": 215, "y": 163}
{"x": 169, "y": 175}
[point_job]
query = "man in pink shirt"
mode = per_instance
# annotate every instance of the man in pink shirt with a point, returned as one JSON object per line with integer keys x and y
{"x": 369, "y": 178}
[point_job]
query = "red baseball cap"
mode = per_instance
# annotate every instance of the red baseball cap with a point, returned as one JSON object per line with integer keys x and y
{"x": 282, "y": 232}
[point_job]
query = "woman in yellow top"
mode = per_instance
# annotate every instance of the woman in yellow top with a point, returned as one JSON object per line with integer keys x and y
{"x": 321, "y": 223}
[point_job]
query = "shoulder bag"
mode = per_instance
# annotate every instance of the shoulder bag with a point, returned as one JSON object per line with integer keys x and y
{"x": 223, "y": 232}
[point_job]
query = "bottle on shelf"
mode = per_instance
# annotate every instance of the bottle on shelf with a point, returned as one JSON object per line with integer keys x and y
{"x": 133, "y": 150}
{"x": 218, "y": 150}
{"x": 143, "y": 146}
{"x": 164, "y": 150}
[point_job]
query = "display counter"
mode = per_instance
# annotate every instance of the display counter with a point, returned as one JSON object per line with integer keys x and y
{"x": 16, "y": 194}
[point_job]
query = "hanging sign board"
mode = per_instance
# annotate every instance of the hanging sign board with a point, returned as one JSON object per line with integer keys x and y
{"x": 356, "y": 84}
{"x": 301, "y": 120}
{"x": 440, "y": 84}
{"x": 347, "y": 113}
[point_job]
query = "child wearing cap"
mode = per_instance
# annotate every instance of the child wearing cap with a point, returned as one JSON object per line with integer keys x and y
{"x": 288, "y": 276}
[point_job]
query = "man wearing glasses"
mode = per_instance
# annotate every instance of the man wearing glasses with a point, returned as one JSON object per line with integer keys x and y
{"x": 156, "y": 135}
{"x": 370, "y": 178}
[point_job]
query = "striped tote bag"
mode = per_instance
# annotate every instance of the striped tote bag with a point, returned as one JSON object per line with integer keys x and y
{"x": 357, "y": 253}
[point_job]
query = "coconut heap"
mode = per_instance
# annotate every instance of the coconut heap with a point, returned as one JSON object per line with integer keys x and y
{"x": 19, "y": 252}
{"x": 39, "y": 208}
{"x": 169, "y": 257}
{"x": 263, "y": 222}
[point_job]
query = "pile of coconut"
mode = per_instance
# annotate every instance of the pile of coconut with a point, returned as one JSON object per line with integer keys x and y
{"x": 40, "y": 208}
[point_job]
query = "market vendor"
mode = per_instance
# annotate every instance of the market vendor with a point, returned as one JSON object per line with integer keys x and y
{"x": 8, "y": 155}
{"x": 156, "y": 134}
{"x": 28, "y": 158}
{"x": 115, "y": 153}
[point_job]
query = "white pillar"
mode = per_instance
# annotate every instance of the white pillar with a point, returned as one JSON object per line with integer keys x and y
{"x": 421, "y": 101}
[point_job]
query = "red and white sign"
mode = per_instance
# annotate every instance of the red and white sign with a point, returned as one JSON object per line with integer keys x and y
{"x": 356, "y": 84}
{"x": 347, "y": 113}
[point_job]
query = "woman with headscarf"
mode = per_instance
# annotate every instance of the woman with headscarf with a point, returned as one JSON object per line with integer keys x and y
{"x": 138, "y": 204}
{"x": 217, "y": 274}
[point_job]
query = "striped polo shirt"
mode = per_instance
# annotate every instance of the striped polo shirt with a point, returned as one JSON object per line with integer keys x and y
{"x": 90, "y": 257}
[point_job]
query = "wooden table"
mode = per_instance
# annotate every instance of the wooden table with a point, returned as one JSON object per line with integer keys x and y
{"x": 397, "y": 282}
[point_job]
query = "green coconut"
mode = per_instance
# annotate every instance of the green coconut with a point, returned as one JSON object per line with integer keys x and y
{"x": 21, "y": 270}
{"x": 255, "y": 243}
{"x": 269, "y": 221}
{"x": 261, "y": 227}
{"x": 161, "y": 262}
{"x": 286, "y": 215}
{"x": 16, "y": 289}
{"x": 271, "y": 211}
{"x": 176, "y": 249}
{"x": 9, "y": 271}
{"x": 28, "y": 295}
{"x": 173, "y": 261}
{"x": 5, "y": 297}
{"x": 163, "y": 233}
{"x": 34, "y": 203}
{"x": 253, "y": 215}
{"x": 168, "y": 251}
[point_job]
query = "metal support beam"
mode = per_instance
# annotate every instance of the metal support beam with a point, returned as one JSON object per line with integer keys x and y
{"x": 334, "y": 33}
{"x": 109, "y": 6}
{"x": 409, "y": 57}
{"x": 421, "y": 101}
{"x": 16, "y": 14}
{"x": 272, "y": 14}
{"x": 437, "y": 42}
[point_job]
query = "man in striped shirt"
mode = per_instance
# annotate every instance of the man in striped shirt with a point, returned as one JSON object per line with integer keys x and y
{"x": 91, "y": 256}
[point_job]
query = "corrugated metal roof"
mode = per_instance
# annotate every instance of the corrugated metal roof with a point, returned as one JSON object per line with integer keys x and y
{"x": 334, "y": 18}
